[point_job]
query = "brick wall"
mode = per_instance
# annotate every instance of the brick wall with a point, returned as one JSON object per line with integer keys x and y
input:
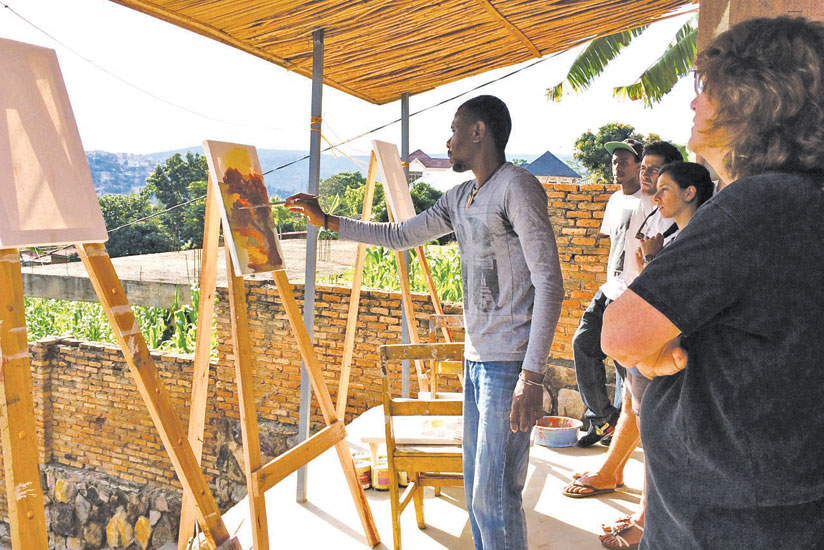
{"x": 90, "y": 416}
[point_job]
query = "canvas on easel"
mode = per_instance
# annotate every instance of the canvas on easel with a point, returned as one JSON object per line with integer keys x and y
{"x": 49, "y": 198}
{"x": 395, "y": 185}
{"x": 244, "y": 207}
{"x": 47, "y": 189}
{"x": 235, "y": 186}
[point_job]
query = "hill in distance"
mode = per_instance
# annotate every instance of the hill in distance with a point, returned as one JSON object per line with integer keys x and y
{"x": 122, "y": 173}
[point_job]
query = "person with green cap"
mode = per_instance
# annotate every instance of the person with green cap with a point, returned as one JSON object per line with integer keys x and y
{"x": 586, "y": 344}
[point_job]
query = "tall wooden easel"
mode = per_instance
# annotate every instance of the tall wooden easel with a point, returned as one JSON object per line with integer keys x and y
{"x": 394, "y": 164}
{"x": 261, "y": 477}
{"x": 48, "y": 198}
{"x": 26, "y": 512}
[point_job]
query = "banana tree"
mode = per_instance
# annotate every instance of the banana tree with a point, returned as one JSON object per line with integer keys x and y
{"x": 655, "y": 82}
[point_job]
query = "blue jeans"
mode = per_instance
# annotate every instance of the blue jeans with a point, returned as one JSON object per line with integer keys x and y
{"x": 495, "y": 460}
{"x": 589, "y": 364}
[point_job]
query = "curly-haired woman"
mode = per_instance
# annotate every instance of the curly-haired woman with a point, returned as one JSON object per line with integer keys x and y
{"x": 728, "y": 319}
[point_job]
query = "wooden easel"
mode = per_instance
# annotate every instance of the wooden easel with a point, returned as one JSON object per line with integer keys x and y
{"x": 26, "y": 511}
{"x": 261, "y": 477}
{"x": 406, "y": 294}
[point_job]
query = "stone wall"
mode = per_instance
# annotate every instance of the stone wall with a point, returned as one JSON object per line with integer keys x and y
{"x": 96, "y": 438}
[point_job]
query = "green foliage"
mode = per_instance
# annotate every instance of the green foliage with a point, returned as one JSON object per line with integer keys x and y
{"x": 661, "y": 76}
{"x": 173, "y": 329}
{"x": 194, "y": 217}
{"x": 338, "y": 184}
{"x": 381, "y": 271}
{"x": 519, "y": 162}
{"x": 171, "y": 184}
{"x": 352, "y": 203}
{"x": 144, "y": 237}
{"x": 286, "y": 221}
{"x": 592, "y": 62}
{"x": 590, "y": 152}
{"x": 657, "y": 81}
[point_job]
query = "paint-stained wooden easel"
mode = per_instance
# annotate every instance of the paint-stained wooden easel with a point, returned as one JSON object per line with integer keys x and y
{"x": 394, "y": 164}
{"x": 26, "y": 512}
{"x": 261, "y": 477}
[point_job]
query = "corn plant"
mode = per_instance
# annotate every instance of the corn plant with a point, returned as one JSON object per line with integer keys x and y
{"x": 381, "y": 271}
{"x": 173, "y": 329}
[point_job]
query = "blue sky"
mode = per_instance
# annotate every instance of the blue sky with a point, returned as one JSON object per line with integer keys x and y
{"x": 174, "y": 68}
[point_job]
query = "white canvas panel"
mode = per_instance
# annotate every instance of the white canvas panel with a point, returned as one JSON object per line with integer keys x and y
{"x": 46, "y": 192}
{"x": 394, "y": 180}
{"x": 237, "y": 180}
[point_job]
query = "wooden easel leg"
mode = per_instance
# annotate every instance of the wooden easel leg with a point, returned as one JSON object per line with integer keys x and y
{"x": 244, "y": 373}
{"x": 27, "y": 517}
{"x": 312, "y": 364}
{"x": 406, "y": 297}
{"x": 354, "y": 297}
{"x": 200, "y": 375}
{"x": 144, "y": 371}
{"x": 433, "y": 292}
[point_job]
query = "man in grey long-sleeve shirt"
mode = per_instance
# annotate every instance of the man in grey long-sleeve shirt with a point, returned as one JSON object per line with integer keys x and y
{"x": 513, "y": 291}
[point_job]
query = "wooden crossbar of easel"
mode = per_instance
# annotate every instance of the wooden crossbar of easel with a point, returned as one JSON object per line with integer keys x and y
{"x": 260, "y": 477}
{"x": 26, "y": 512}
{"x": 406, "y": 297}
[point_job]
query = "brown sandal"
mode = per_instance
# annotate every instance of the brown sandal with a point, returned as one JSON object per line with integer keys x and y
{"x": 616, "y": 540}
{"x": 616, "y": 525}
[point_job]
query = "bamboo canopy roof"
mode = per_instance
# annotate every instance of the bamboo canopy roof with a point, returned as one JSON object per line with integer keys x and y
{"x": 378, "y": 49}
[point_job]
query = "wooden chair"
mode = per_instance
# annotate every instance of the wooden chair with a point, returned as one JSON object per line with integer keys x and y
{"x": 427, "y": 461}
{"x": 443, "y": 323}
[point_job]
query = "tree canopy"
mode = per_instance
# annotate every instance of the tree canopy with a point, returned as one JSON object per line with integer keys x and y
{"x": 173, "y": 183}
{"x": 142, "y": 237}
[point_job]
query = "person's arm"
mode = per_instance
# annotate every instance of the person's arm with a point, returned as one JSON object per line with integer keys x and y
{"x": 526, "y": 207}
{"x": 693, "y": 280}
{"x": 635, "y": 333}
{"x": 430, "y": 224}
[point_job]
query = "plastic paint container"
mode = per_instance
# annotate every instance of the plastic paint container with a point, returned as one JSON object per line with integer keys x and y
{"x": 363, "y": 468}
{"x": 557, "y": 431}
{"x": 403, "y": 479}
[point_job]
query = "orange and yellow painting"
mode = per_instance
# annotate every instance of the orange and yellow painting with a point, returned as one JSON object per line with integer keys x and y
{"x": 236, "y": 177}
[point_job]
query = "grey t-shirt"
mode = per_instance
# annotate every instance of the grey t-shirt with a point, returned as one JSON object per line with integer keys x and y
{"x": 513, "y": 288}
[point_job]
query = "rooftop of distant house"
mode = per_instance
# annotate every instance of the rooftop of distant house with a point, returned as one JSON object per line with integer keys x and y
{"x": 550, "y": 165}
{"x": 428, "y": 161}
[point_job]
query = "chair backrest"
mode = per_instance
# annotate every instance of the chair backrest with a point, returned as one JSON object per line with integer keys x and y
{"x": 416, "y": 407}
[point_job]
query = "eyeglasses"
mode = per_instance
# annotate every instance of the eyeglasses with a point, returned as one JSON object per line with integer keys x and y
{"x": 698, "y": 82}
{"x": 640, "y": 234}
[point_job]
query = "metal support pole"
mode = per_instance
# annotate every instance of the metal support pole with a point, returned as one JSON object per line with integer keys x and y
{"x": 311, "y": 244}
{"x": 405, "y": 161}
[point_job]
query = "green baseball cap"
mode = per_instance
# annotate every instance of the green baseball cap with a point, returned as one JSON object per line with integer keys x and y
{"x": 632, "y": 145}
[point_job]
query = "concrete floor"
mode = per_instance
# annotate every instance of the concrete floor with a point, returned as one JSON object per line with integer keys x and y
{"x": 328, "y": 519}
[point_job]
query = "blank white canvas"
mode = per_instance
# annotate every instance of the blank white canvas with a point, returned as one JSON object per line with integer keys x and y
{"x": 394, "y": 180}
{"x": 47, "y": 195}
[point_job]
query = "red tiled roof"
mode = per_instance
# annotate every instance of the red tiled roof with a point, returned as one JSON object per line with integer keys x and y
{"x": 428, "y": 161}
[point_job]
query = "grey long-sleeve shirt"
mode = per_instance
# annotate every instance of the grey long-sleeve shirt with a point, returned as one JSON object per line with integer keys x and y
{"x": 513, "y": 288}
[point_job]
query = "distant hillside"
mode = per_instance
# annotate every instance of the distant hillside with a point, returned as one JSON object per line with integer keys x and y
{"x": 123, "y": 173}
{"x": 126, "y": 172}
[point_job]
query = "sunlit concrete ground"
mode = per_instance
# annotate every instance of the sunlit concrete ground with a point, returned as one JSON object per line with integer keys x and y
{"x": 328, "y": 519}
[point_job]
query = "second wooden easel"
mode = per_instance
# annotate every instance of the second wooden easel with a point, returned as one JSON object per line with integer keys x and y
{"x": 392, "y": 164}
{"x": 261, "y": 477}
